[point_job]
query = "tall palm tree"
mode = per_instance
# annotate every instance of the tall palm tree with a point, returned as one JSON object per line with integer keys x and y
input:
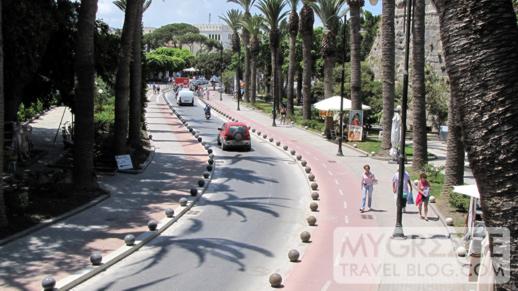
{"x": 3, "y": 213}
{"x": 293, "y": 28}
{"x": 246, "y": 5}
{"x": 233, "y": 20}
{"x": 355, "y": 7}
{"x": 273, "y": 12}
{"x": 253, "y": 25}
{"x": 84, "y": 139}
{"x": 135, "y": 109}
{"x": 122, "y": 83}
{"x": 388, "y": 51}
{"x": 307, "y": 18}
{"x": 329, "y": 12}
{"x": 482, "y": 66}
{"x": 454, "y": 169}
{"x": 418, "y": 87}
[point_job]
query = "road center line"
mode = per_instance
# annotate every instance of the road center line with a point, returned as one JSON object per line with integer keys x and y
{"x": 341, "y": 192}
{"x": 326, "y": 286}
{"x": 336, "y": 182}
{"x": 345, "y": 204}
{"x": 330, "y": 173}
{"x": 346, "y": 219}
{"x": 324, "y": 165}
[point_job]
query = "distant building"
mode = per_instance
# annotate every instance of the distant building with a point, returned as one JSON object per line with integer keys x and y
{"x": 219, "y": 32}
{"x": 148, "y": 30}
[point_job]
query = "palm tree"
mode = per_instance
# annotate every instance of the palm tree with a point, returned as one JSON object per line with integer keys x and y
{"x": 482, "y": 66}
{"x": 253, "y": 25}
{"x": 293, "y": 28}
{"x": 84, "y": 139}
{"x": 418, "y": 86}
{"x": 122, "y": 83}
{"x": 355, "y": 7}
{"x": 135, "y": 109}
{"x": 388, "y": 51}
{"x": 307, "y": 18}
{"x": 328, "y": 11}
{"x": 3, "y": 213}
{"x": 454, "y": 169}
{"x": 273, "y": 13}
{"x": 246, "y": 5}
{"x": 233, "y": 20}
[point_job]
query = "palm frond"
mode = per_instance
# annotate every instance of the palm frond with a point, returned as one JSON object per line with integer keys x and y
{"x": 233, "y": 19}
{"x": 273, "y": 12}
{"x": 329, "y": 11}
{"x": 245, "y": 4}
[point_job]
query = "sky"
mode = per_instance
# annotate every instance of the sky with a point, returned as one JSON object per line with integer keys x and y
{"x": 162, "y": 12}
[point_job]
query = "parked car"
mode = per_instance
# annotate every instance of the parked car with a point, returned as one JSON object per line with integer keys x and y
{"x": 185, "y": 96}
{"x": 234, "y": 134}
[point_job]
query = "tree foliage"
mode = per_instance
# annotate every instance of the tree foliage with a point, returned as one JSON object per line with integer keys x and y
{"x": 168, "y": 59}
{"x": 169, "y": 34}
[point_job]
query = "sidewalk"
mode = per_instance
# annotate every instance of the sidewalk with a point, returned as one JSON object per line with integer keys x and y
{"x": 338, "y": 180}
{"x": 64, "y": 248}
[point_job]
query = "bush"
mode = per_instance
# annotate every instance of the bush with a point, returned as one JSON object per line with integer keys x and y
{"x": 459, "y": 201}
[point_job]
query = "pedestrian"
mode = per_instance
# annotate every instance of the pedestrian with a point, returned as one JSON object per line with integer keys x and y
{"x": 423, "y": 188}
{"x": 283, "y": 114}
{"x": 367, "y": 186}
{"x": 407, "y": 187}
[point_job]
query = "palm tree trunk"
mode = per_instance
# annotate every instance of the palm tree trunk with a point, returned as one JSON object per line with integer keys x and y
{"x": 388, "y": 51}
{"x": 3, "y": 210}
{"x": 247, "y": 71}
{"x": 356, "y": 75}
{"x": 253, "y": 80}
{"x": 122, "y": 83}
{"x": 455, "y": 149}
{"x": 307, "y": 42}
{"x": 135, "y": 112}
{"x": 279, "y": 81}
{"x": 84, "y": 177}
{"x": 480, "y": 44}
{"x": 329, "y": 64}
{"x": 291, "y": 73}
{"x": 418, "y": 85}
{"x": 299, "y": 86}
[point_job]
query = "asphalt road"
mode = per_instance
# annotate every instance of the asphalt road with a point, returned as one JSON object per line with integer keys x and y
{"x": 239, "y": 233}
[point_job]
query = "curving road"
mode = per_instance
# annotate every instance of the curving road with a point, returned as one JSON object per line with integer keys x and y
{"x": 239, "y": 233}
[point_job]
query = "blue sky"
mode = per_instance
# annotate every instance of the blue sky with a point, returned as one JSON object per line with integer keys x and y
{"x": 163, "y": 12}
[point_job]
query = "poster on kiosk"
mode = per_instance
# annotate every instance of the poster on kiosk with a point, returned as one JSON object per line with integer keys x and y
{"x": 355, "y": 128}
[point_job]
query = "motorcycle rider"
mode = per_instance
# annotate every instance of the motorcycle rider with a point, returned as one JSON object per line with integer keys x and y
{"x": 207, "y": 111}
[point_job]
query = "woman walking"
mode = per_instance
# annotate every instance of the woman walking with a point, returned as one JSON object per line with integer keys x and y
{"x": 423, "y": 195}
{"x": 368, "y": 180}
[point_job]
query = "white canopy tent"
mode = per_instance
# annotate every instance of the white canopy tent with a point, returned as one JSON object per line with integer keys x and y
{"x": 468, "y": 190}
{"x": 333, "y": 104}
{"x": 190, "y": 70}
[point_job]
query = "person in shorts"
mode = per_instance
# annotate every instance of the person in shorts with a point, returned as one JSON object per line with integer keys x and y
{"x": 423, "y": 188}
{"x": 367, "y": 186}
{"x": 407, "y": 187}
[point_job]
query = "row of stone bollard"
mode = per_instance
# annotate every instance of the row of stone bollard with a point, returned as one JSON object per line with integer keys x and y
{"x": 49, "y": 283}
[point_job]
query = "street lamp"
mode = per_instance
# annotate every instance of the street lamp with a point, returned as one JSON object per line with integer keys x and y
{"x": 398, "y": 231}
{"x": 238, "y": 78}
{"x": 221, "y": 72}
{"x": 342, "y": 89}
{"x": 274, "y": 112}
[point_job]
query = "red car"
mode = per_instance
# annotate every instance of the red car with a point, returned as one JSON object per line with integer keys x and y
{"x": 234, "y": 134}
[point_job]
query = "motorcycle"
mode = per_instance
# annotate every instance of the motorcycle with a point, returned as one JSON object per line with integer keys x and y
{"x": 207, "y": 115}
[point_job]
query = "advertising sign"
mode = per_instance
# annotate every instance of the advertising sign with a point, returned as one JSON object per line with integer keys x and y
{"x": 355, "y": 128}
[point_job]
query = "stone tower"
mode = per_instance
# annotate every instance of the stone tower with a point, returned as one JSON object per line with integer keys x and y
{"x": 433, "y": 45}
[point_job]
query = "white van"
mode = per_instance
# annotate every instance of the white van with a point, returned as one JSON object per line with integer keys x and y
{"x": 185, "y": 96}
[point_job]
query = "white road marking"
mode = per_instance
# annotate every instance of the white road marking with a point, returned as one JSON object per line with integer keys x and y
{"x": 324, "y": 165}
{"x": 346, "y": 219}
{"x": 330, "y": 173}
{"x": 341, "y": 192}
{"x": 336, "y": 182}
{"x": 345, "y": 204}
{"x": 326, "y": 286}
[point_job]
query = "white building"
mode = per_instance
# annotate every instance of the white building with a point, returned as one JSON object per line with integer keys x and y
{"x": 219, "y": 32}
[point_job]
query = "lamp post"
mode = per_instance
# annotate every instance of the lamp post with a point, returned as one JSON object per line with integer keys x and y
{"x": 398, "y": 231}
{"x": 342, "y": 89}
{"x": 238, "y": 78}
{"x": 221, "y": 73}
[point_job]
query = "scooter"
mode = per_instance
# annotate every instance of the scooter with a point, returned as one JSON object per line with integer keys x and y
{"x": 207, "y": 115}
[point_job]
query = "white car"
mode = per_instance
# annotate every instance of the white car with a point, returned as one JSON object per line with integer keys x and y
{"x": 185, "y": 96}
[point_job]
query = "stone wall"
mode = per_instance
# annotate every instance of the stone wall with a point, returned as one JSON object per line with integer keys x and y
{"x": 433, "y": 45}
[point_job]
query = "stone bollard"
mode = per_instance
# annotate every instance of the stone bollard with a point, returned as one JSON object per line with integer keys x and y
{"x": 265, "y": 136}
{"x": 201, "y": 183}
{"x": 199, "y": 139}
{"x": 129, "y": 240}
{"x": 285, "y": 147}
{"x": 312, "y": 221}
{"x": 96, "y": 258}
{"x": 311, "y": 177}
{"x": 210, "y": 151}
{"x": 206, "y": 175}
{"x": 314, "y": 186}
{"x": 194, "y": 191}
{"x": 183, "y": 201}
{"x": 190, "y": 129}
{"x": 209, "y": 168}
{"x": 196, "y": 135}
{"x": 278, "y": 143}
{"x": 315, "y": 195}
{"x": 299, "y": 157}
{"x": 259, "y": 133}
{"x": 461, "y": 251}
{"x": 271, "y": 139}
{"x": 169, "y": 212}
{"x": 293, "y": 255}
{"x": 210, "y": 161}
{"x": 313, "y": 206}
{"x": 308, "y": 170}
{"x": 293, "y": 152}
{"x": 211, "y": 156}
{"x": 432, "y": 199}
{"x": 253, "y": 129}
{"x": 48, "y": 283}
{"x": 152, "y": 224}
{"x": 449, "y": 221}
{"x": 275, "y": 280}
{"x": 303, "y": 163}
{"x": 305, "y": 236}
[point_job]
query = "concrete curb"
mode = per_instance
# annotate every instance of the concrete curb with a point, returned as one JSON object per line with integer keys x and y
{"x": 54, "y": 220}
{"x": 124, "y": 251}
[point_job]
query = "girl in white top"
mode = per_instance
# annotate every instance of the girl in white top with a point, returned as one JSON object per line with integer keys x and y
{"x": 368, "y": 180}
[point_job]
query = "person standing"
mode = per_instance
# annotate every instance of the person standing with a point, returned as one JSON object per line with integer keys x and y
{"x": 423, "y": 188}
{"x": 367, "y": 186}
{"x": 407, "y": 187}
